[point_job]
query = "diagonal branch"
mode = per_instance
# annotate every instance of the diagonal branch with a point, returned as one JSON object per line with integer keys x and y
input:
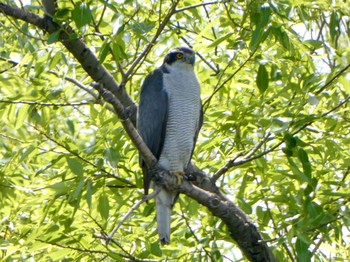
{"x": 138, "y": 61}
{"x": 198, "y": 5}
{"x": 241, "y": 159}
{"x": 78, "y": 49}
{"x": 69, "y": 79}
{"x": 335, "y": 77}
{"x": 219, "y": 86}
{"x": 128, "y": 214}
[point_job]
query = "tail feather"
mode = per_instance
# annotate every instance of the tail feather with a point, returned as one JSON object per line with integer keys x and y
{"x": 164, "y": 204}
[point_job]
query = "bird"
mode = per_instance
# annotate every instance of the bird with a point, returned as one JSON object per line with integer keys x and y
{"x": 169, "y": 118}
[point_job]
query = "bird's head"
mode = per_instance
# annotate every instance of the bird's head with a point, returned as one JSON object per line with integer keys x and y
{"x": 180, "y": 55}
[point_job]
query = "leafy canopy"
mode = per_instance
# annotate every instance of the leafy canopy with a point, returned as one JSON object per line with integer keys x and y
{"x": 275, "y": 89}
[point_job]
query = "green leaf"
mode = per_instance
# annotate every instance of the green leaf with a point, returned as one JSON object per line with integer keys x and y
{"x": 89, "y": 192}
{"x": 55, "y": 60}
{"x": 296, "y": 171}
{"x": 142, "y": 27}
{"x": 282, "y": 37}
{"x": 112, "y": 156}
{"x": 155, "y": 249}
{"x": 304, "y": 158}
{"x": 220, "y": 40}
{"x": 103, "y": 206}
{"x": 75, "y": 197}
{"x": 54, "y": 37}
{"x": 115, "y": 256}
{"x": 290, "y": 141}
{"x": 75, "y": 166}
{"x": 61, "y": 188}
{"x": 118, "y": 49}
{"x": 81, "y": 14}
{"x": 262, "y": 29}
{"x": 71, "y": 127}
{"x": 334, "y": 26}
{"x": 256, "y": 38}
{"x": 21, "y": 115}
{"x": 262, "y": 79}
{"x": 303, "y": 253}
{"x": 104, "y": 51}
{"x": 265, "y": 15}
{"x": 26, "y": 152}
{"x": 315, "y": 44}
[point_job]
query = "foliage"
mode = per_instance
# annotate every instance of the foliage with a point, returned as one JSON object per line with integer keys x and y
{"x": 275, "y": 89}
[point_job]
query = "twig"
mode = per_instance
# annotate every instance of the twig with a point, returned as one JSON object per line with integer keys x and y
{"x": 73, "y": 248}
{"x": 317, "y": 246}
{"x": 128, "y": 183}
{"x": 194, "y": 234}
{"x": 332, "y": 79}
{"x": 69, "y": 79}
{"x": 246, "y": 158}
{"x": 257, "y": 147}
{"x": 45, "y": 103}
{"x": 197, "y": 5}
{"x": 249, "y": 156}
{"x": 134, "y": 207}
{"x": 200, "y": 56}
{"x": 224, "y": 169}
{"x": 138, "y": 61}
{"x": 323, "y": 115}
{"x": 218, "y": 87}
{"x": 233, "y": 21}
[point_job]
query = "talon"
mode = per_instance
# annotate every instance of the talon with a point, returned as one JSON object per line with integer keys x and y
{"x": 179, "y": 176}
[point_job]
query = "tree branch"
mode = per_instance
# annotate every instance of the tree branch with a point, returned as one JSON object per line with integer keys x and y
{"x": 219, "y": 86}
{"x": 69, "y": 79}
{"x": 137, "y": 62}
{"x": 73, "y": 153}
{"x": 78, "y": 49}
{"x": 73, "y": 248}
{"x": 197, "y": 5}
{"x": 332, "y": 79}
{"x": 44, "y": 103}
{"x": 239, "y": 159}
{"x": 241, "y": 228}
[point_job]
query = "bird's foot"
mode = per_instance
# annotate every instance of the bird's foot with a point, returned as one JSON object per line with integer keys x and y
{"x": 179, "y": 176}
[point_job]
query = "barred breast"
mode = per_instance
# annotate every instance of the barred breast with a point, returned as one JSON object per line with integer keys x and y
{"x": 183, "y": 117}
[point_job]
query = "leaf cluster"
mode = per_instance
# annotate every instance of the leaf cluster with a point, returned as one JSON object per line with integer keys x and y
{"x": 275, "y": 90}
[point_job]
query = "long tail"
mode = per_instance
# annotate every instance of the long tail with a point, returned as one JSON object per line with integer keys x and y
{"x": 164, "y": 203}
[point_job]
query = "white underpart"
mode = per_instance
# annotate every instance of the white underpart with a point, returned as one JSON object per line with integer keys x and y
{"x": 183, "y": 120}
{"x": 183, "y": 116}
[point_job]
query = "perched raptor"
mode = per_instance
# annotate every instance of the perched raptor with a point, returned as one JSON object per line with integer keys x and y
{"x": 169, "y": 119}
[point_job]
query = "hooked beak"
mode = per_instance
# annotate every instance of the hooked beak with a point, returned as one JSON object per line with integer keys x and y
{"x": 190, "y": 58}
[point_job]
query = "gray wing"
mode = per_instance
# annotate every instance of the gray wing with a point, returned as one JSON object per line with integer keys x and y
{"x": 152, "y": 118}
{"x": 200, "y": 123}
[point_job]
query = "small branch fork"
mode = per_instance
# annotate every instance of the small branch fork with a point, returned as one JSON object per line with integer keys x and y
{"x": 242, "y": 159}
{"x": 127, "y": 215}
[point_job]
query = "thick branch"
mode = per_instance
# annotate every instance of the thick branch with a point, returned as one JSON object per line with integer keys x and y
{"x": 241, "y": 228}
{"x": 79, "y": 50}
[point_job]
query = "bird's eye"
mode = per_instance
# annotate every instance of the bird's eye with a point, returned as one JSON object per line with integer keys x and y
{"x": 179, "y": 55}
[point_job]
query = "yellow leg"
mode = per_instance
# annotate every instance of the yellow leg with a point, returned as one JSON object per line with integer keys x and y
{"x": 179, "y": 176}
